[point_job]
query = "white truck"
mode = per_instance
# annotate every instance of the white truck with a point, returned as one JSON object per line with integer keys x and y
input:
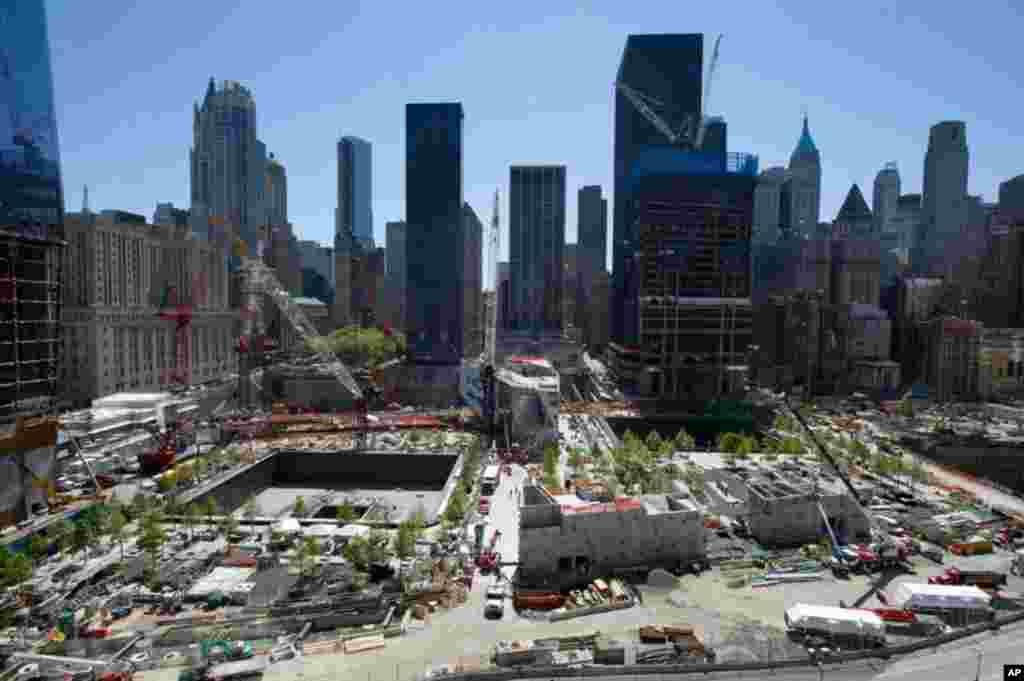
{"x": 494, "y": 606}
{"x": 836, "y": 623}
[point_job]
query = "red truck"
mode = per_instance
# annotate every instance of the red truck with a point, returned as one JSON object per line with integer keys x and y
{"x": 980, "y": 578}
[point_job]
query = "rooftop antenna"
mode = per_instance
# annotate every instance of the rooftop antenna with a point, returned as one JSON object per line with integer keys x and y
{"x": 85, "y": 199}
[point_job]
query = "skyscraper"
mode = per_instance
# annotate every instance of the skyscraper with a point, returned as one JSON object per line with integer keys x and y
{"x": 768, "y": 205}
{"x": 803, "y": 191}
{"x": 394, "y": 233}
{"x": 355, "y": 190}
{"x": 472, "y": 291}
{"x": 276, "y": 193}
{"x": 592, "y": 256}
{"x": 30, "y": 177}
{"x": 886, "y": 198}
{"x": 537, "y": 247}
{"x": 944, "y": 201}
{"x": 228, "y": 166}
{"x": 669, "y": 69}
{"x": 434, "y": 251}
{"x": 32, "y": 248}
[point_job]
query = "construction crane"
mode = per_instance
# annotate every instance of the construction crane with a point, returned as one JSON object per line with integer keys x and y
{"x": 690, "y": 134}
{"x": 259, "y": 279}
{"x": 489, "y": 371}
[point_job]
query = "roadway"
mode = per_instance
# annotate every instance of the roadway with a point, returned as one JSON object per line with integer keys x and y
{"x": 957, "y": 661}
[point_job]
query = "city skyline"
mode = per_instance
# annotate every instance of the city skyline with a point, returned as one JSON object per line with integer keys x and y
{"x": 562, "y": 116}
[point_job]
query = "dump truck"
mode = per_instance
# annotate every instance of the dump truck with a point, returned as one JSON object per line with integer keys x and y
{"x": 979, "y": 578}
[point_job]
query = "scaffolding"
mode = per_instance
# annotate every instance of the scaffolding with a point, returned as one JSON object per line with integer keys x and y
{"x": 30, "y": 327}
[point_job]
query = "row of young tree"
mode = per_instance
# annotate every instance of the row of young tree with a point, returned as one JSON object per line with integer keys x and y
{"x": 458, "y": 502}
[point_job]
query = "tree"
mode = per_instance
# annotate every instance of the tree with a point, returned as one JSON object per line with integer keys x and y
{"x": 550, "y": 458}
{"x": 729, "y": 442}
{"x": 575, "y": 458}
{"x": 167, "y": 482}
{"x": 299, "y": 509}
{"x": 792, "y": 446}
{"x": 229, "y": 525}
{"x": 346, "y": 512}
{"x": 153, "y": 536}
{"x": 405, "y": 540}
{"x": 307, "y": 553}
{"x": 456, "y": 509}
{"x": 38, "y": 548}
{"x": 905, "y": 408}
{"x": 250, "y": 511}
{"x": 199, "y": 468}
{"x": 379, "y": 542}
{"x": 140, "y": 505}
{"x": 61, "y": 533}
{"x": 357, "y": 552}
{"x": 118, "y": 522}
{"x": 653, "y": 440}
{"x": 81, "y": 536}
{"x": 684, "y": 441}
{"x": 744, "y": 447}
{"x": 18, "y": 570}
{"x": 210, "y": 509}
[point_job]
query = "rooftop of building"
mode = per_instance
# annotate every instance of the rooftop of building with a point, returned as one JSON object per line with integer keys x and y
{"x": 854, "y": 207}
{"x": 805, "y": 146}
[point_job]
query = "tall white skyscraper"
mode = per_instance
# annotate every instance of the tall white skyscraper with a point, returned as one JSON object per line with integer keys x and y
{"x": 355, "y": 190}
{"x": 944, "y": 201}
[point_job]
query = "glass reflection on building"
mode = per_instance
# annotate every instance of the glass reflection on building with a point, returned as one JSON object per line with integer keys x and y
{"x": 30, "y": 179}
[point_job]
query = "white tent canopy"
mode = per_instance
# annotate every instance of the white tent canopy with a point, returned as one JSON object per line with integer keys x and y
{"x": 287, "y": 526}
{"x": 835, "y": 620}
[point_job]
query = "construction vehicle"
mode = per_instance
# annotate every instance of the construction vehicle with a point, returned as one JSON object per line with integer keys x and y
{"x": 690, "y": 133}
{"x": 980, "y": 578}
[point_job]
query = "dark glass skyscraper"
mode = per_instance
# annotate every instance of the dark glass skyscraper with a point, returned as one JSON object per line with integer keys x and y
{"x": 434, "y": 232}
{"x": 30, "y": 179}
{"x": 667, "y": 68}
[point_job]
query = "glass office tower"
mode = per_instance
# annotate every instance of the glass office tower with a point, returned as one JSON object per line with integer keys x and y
{"x": 434, "y": 232}
{"x": 30, "y": 180}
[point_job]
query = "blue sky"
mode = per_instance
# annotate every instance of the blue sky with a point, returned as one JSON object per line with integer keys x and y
{"x": 535, "y": 79}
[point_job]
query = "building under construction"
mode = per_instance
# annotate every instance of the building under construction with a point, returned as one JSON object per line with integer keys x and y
{"x": 30, "y": 346}
{"x": 688, "y": 314}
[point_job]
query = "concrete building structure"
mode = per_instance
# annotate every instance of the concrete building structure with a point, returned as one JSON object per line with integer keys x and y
{"x": 115, "y": 278}
{"x": 504, "y": 295}
{"x": 801, "y": 204}
{"x": 688, "y": 309}
{"x": 228, "y": 165}
{"x": 434, "y": 251}
{"x": 953, "y": 358}
{"x": 944, "y": 201}
{"x": 537, "y": 247}
{"x": 570, "y": 287}
{"x": 559, "y": 544}
{"x": 472, "y": 287}
{"x": 355, "y": 190}
{"x": 395, "y": 281}
{"x": 667, "y": 68}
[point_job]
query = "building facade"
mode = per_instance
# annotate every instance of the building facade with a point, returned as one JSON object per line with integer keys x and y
{"x": 592, "y": 258}
{"x": 668, "y": 68}
{"x": 885, "y": 198}
{"x": 118, "y": 277}
{"x": 228, "y": 165}
{"x": 690, "y": 291}
{"x": 768, "y": 205}
{"x": 31, "y": 217}
{"x": 803, "y": 191}
{"x": 953, "y": 357}
{"x": 472, "y": 290}
{"x": 944, "y": 201}
{"x": 355, "y": 189}
{"x": 395, "y": 278}
{"x": 434, "y": 251}
{"x": 537, "y": 247}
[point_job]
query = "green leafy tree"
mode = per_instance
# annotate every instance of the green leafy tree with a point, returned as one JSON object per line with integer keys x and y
{"x": 653, "y": 440}
{"x": 905, "y": 408}
{"x": 575, "y": 458}
{"x": 729, "y": 442}
{"x": 346, "y": 512}
{"x": 550, "y": 459}
{"x": 307, "y": 553}
{"x": 200, "y": 468}
{"x": 61, "y": 532}
{"x": 153, "y": 537}
{"x": 379, "y": 545}
{"x": 38, "y": 548}
{"x": 229, "y": 525}
{"x": 211, "y": 509}
{"x": 744, "y": 447}
{"x": 456, "y": 509}
{"x": 405, "y": 540}
{"x": 684, "y": 441}
{"x": 18, "y": 570}
{"x": 167, "y": 482}
{"x": 299, "y": 509}
{"x": 81, "y": 536}
{"x": 357, "y": 552}
{"x": 250, "y": 511}
{"x": 140, "y": 505}
{"x": 190, "y": 518}
{"x": 118, "y": 523}
{"x": 792, "y": 446}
